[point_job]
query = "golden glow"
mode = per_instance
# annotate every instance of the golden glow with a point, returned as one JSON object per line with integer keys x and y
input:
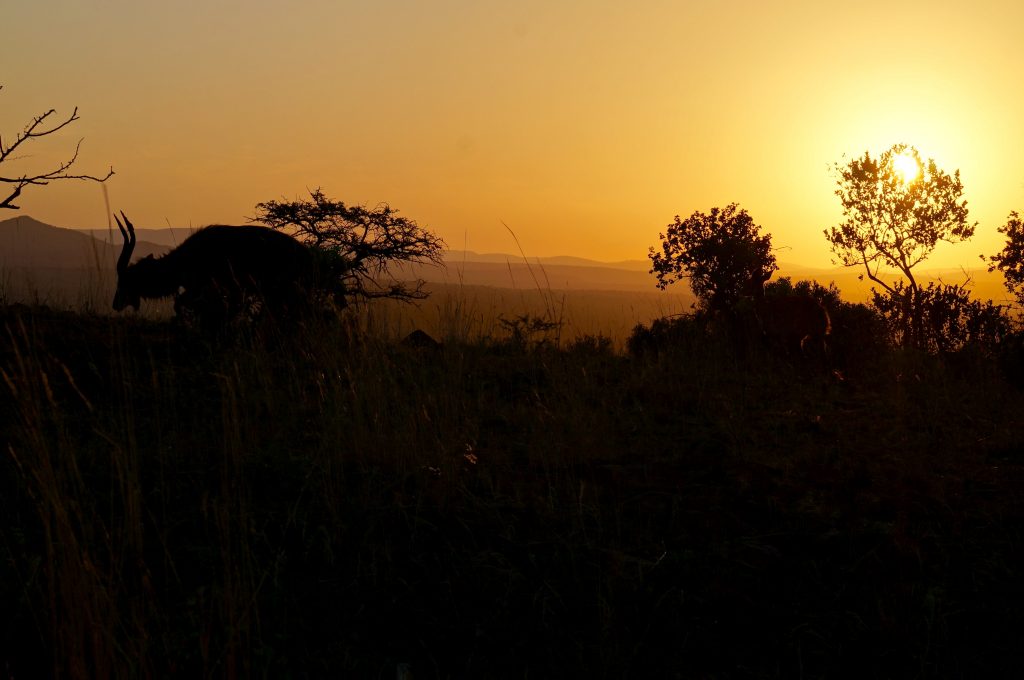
{"x": 584, "y": 125}
{"x": 906, "y": 167}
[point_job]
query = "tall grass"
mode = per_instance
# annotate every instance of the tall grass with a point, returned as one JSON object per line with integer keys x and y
{"x": 325, "y": 502}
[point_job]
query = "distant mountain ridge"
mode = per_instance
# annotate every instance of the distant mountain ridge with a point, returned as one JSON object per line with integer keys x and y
{"x": 167, "y": 237}
{"x": 456, "y": 256}
{"x": 27, "y": 243}
{"x": 30, "y": 246}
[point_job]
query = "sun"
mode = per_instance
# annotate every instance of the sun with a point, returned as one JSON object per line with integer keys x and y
{"x": 906, "y": 167}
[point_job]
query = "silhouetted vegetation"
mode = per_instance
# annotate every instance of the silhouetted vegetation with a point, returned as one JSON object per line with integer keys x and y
{"x": 363, "y": 249}
{"x": 951, "y": 320}
{"x": 669, "y": 334}
{"x": 1010, "y": 261}
{"x": 170, "y": 507}
{"x": 791, "y": 320}
{"x": 14, "y": 152}
{"x": 331, "y": 501}
{"x": 894, "y": 220}
{"x": 859, "y": 332}
{"x": 720, "y": 253}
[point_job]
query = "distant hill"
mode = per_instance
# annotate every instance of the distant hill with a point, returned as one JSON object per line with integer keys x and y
{"x": 462, "y": 267}
{"x": 518, "y": 275}
{"x": 44, "y": 264}
{"x": 54, "y": 259}
{"x": 983, "y": 284}
{"x": 26, "y": 243}
{"x": 457, "y": 256}
{"x": 167, "y": 238}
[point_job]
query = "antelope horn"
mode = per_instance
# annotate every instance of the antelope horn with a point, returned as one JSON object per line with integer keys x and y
{"x": 129, "y": 242}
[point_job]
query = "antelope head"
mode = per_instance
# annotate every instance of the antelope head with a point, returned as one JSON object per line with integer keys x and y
{"x": 127, "y": 294}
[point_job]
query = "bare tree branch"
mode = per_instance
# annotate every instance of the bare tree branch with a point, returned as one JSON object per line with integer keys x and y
{"x": 41, "y": 126}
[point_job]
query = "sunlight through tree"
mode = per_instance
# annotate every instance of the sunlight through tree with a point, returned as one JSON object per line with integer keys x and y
{"x": 894, "y": 219}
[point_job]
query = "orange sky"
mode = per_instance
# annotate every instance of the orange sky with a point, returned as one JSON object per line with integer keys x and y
{"x": 584, "y": 125}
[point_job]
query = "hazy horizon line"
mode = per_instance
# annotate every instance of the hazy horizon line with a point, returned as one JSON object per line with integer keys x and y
{"x": 493, "y": 257}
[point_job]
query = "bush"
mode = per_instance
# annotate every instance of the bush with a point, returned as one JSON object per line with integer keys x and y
{"x": 950, "y": 320}
{"x": 668, "y": 333}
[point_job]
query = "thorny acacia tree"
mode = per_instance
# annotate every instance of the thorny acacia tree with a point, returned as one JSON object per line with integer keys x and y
{"x": 359, "y": 249}
{"x": 895, "y": 218}
{"x": 42, "y": 125}
{"x": 720, "y": 252}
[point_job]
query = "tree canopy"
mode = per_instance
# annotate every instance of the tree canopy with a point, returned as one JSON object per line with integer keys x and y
{"x": 361, "y": 248}
{"x": 896, "y": 209}
{"x": 893, "y": 218}
{"x": 721, "y": 252}
{"x": 1010, "y": 261}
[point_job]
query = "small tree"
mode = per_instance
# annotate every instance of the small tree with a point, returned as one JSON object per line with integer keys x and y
{"x": 41, "y": 126}
{"x": 362, "y": 249}
{"x": 896, "y": 209}
{"x": 1011, "y": 260}
{"x": 720, "y": 252}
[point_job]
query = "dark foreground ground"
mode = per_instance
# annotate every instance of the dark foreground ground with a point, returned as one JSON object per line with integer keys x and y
{"x": 321, "y": 506}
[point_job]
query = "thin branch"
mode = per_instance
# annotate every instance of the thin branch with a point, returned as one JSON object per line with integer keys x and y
{"x": 35, "y": 129}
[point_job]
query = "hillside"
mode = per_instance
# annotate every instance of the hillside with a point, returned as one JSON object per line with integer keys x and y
{"x": 165, "y": 238}
{"x": 27, "y": 244}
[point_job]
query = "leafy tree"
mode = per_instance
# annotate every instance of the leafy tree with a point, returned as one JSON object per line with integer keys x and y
{"x": 358, "y": 248}
{"x": 895, "y": 218}
{"x": 720, "y": 252}
{"x": 42, "y": 125}
{"x": 1011, "y": 260}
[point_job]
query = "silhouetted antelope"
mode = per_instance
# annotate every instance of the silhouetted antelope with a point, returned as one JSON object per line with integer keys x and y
{"x": 218, "y": 273}
{"x": 794, "y": 323}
